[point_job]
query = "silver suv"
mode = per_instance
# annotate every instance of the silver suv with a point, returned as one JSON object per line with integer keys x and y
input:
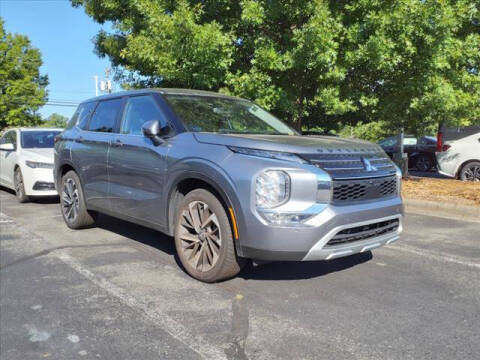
{"x": 226, "y": 178}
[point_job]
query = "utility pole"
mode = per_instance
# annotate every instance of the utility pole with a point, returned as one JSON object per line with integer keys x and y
{"x": 106, "y": 84}
{"x": 96, "y": 85}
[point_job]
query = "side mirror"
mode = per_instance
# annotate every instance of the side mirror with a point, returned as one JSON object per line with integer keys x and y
{"x": 151, "y": 128}
{"x": 154, "y": 131}
{"x": 7, "y": 147}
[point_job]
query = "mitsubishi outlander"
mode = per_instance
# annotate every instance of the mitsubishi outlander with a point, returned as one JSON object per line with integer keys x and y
{"x": 225, "y": 178}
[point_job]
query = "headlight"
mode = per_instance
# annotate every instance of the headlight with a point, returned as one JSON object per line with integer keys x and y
{"x": 277, "y": 155}
{"x": 41, "y": 165}
{"x": 399, "y": 176}
{"x": 272, "y": 189}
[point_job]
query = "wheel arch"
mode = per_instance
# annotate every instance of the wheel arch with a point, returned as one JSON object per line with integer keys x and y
{"x": 191, "y": 180}
{"x": 62, "y": 169}
{"x": 462, "y": 165}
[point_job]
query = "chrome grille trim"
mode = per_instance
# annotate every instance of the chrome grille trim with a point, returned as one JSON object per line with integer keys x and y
{"x": 364, "y": 232}
{"x": 351, "y": 165}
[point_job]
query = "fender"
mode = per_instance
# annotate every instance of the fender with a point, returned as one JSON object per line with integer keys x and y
{"x": 57, "y": 175}
{"x": 213, "y": 175}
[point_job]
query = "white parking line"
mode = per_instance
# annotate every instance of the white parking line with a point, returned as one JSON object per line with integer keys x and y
{"x": 178, "y": 331}
{"x": 435, "y": 255}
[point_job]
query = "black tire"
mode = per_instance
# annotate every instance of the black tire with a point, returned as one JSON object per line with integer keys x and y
{"x": 470, "y": 171}
{"x": 19, "y": 186}
{"x": 207, "y": 252}
{"x": 423, "y": 163}
{"x": 72, "y": 203}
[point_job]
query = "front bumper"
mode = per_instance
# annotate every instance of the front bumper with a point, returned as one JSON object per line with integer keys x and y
{"x": 38, "y": 182}
{"x": 266, "y": 242}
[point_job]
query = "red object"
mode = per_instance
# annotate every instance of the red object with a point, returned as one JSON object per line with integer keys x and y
{"x": 440, "y": 145}
{"x": 439, "y": 141}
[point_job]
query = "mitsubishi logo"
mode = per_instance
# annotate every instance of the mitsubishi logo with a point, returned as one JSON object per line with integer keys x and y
{"x": 367, "y": 165}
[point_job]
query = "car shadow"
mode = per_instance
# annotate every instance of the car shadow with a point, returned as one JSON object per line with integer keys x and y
{"x": 35, "y": 199}
{"x": 138, "y": 233}
{"x": 298, "y": 270}
{"x": 45, "y": 199}
{"x": 281, "y": 270}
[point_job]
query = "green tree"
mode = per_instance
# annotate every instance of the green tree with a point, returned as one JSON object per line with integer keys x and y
{"x": 22, "y": 87}
{"x": 55, "y": 120}
{"x": 314, "y": 63}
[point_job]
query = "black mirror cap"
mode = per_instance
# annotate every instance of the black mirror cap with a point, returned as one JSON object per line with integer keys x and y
{"x": 154, "y": 131}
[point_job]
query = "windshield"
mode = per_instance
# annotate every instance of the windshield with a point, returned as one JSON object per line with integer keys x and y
{"x": 38, "y": 139}
{"x": 226, "y": 116}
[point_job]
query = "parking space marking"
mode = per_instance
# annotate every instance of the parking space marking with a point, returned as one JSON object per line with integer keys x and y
{"x": 196, "y": 343}
{"x": 435, "y": 255}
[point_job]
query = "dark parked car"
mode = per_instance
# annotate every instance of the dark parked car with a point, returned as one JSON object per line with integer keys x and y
{"x": 226, "y": 179}
{"x": 421, "y": 151}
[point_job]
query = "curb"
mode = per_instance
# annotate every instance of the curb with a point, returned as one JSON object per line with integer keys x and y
{"x": 450, "y": 210}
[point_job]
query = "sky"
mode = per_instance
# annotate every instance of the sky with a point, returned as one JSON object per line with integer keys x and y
{"x": 63, "y": 34}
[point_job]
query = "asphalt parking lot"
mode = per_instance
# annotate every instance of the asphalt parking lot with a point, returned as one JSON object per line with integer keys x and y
{"x": 116, "y": 292}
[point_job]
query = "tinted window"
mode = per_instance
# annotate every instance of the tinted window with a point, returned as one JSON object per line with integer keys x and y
{"x": 409, "y": 141}
{"x": 427, "y": 141}
{"x": 103, "y": 119}
{"x": 82, "y": 115}
{"x": 391, "y": 141}
{"x": 38, "y": 139}
{"x": 139, "y": 110}
{"x": 10, "y": 137}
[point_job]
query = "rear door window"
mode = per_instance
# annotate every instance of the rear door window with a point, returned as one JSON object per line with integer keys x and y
{"x": 103, "y": 119}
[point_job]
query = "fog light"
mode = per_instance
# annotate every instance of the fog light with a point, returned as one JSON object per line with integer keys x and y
{"x": 285, "y": 219}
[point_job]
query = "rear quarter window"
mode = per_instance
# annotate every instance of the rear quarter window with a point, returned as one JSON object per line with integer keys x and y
{"x": 82, "y": 115}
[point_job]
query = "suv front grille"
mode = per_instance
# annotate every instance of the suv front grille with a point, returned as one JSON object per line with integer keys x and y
{"x": 364, "y": 232}
{"x": 364, "y": 189}
{"x": 353, "y": 165}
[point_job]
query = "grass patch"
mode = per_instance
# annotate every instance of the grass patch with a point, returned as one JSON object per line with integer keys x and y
{"x": 446, "y": 190}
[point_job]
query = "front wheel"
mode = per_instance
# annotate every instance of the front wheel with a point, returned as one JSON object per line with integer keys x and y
{"x": 72, "y": 203}
{"x": 423, "y": 163}
{"x": 470, "y": 171}
{"x": 20, "y": 186}
{"x": 203, "y": 238}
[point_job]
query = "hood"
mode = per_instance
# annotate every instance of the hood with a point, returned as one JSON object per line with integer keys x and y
{"x": 291, "y": 144}
{"x": 39, "y": 154}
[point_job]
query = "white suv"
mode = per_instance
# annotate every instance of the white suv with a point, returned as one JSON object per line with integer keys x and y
{"x": 26, "y": 161}
{"x": 461, "y": 158}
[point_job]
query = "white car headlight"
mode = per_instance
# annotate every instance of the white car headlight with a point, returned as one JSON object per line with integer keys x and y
{"x": 272, "y": 189}
{"x": 35, "y": 164}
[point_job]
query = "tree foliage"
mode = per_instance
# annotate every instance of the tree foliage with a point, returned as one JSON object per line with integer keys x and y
{"x": 22, "y": 87}
{"x": 56, "y": 121}
{"x": 314, "y": 63}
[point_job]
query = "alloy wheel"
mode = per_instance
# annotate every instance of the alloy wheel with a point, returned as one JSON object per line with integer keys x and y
{"x": 18, "y": 183}
{"x": 423, "y": 163}
{"x": 70, "y": 200}
{"x": 472, "y": 173}
{"x": 199, "y": 232}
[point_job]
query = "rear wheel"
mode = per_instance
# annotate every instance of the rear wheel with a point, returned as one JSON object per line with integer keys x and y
{"x": 423, "y": 163}
{"x": 72, "y": 203}
{"x": 470, "y": 171}
{"x": 203, "y": 238}
{"x": 19, "y": 186}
